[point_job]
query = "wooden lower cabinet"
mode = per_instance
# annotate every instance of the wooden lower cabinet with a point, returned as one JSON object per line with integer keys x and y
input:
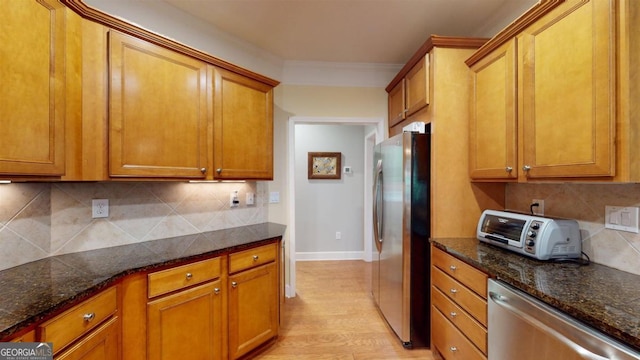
{"x": 186, "y": 324}
{"x": 253, "y": 309}
{"x": 101, "y": 344}
{"x": 89, "y": 330}
{"x": 458, "y": 308}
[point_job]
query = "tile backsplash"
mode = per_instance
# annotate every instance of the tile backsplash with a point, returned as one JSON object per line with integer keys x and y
{"x": 586, "y": 203}
{"x": 45, "y": 219}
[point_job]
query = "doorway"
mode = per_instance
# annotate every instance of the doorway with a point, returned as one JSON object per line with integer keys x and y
{"x": 371, "y": 138}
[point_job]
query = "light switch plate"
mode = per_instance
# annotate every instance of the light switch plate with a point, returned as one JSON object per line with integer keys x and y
{"x": 621, "y": 218}
{"x": 274, "y": 197}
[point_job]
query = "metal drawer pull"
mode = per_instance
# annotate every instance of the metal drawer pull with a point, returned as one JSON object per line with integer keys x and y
{"x": 216, "y": 291}
{"x": 453, "y": 314}
{"x": 88, "y": 317}
{"x": 453, "y": 268}
{"x": 453, "y": 349}
{"x": 255, "y": 257}
{"x": 453, "y": 291}
{"x": 234, "y": 284}
{"x": 189, "y": 276}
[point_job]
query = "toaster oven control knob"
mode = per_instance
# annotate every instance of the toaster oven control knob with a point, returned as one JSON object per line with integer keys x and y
{"x": 531, "y": 243}
{"x": 535, "y": 226}
{"x": 531, "y": 234}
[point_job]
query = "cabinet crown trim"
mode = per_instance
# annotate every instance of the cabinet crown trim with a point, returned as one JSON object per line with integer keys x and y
{"x": 428, "y": 45}
{"x": 112, "y": 22}
{"x": 530, "y": 16}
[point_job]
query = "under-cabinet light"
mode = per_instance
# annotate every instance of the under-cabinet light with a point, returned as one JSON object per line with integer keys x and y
{"x": 5, "y": 181}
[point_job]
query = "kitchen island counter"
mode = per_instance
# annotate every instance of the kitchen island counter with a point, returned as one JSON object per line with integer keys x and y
{"x": 34, "y": 291}
{"x": 603, "y": 297}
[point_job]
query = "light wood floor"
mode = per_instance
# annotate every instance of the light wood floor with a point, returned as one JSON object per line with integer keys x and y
{"x": 333, "y": 317}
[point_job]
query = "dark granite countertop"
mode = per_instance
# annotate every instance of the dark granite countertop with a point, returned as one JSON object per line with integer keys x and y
{"x": 603, "y": 297}
{"x": 36, "y": 290}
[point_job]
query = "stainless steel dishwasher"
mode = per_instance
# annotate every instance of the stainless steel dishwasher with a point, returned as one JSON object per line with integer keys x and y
{"x": 524, "y": 328}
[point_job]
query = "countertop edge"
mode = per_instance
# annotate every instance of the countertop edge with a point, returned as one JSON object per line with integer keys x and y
{"x": 557, "y": 303}
{"x": 71, "y": 300}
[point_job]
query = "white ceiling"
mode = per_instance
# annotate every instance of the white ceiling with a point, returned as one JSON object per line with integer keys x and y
{"x": 361, "y": 31}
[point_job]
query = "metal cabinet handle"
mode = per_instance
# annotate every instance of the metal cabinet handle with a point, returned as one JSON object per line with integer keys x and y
{"x": 203, "y": 170}
{"x": 453, "y": 349}
{"x": 508, "y": 169}
{"x": 526, "y": 168}
{"x": 88, "y": 317}
{"x": 234, "y": 284}
{"x": 219, "y": 171}
{"x": 189, "y": 276}
{"x": 216, "y": 291}
{"x": 453, "y": 267}
{"x": 453, "y": 291}
{"x": 453, "y": 314}
{"x": 255, "y": 257}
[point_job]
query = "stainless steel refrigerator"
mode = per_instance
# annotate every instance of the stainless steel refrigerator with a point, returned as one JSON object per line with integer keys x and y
{"x": 401, "y": 255}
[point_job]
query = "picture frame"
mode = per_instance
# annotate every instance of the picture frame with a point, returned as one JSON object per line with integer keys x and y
{"x": 324, "y": 165}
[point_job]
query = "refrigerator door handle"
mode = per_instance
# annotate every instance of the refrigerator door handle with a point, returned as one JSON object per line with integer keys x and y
{"x": 378, "y": 208}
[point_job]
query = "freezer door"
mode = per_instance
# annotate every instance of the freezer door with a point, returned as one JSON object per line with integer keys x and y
{"x": 392, "y": 303}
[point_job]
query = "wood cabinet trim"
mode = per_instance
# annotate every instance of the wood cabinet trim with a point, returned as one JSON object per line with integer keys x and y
{"x": 428, "y": 45}
{"x": 516, "y": 27}
{"x": 98, "y": 16}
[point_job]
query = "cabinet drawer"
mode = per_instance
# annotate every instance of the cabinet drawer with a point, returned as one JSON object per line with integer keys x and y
{"x": 449, "y": 341}
{"x": 461, "y": 319}
{"x": 461, "y": 295}
{"x": 70, "y": 325}
{"x": 251, "y": 258}
{"x": 471, "y": 277}
{"x": 166, "y": 281}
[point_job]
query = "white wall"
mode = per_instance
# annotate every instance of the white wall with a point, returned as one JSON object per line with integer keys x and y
{"x": 324, "y": 207}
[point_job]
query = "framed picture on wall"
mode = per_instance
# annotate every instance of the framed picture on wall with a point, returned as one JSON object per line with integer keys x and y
{"x": 324, "y": 165}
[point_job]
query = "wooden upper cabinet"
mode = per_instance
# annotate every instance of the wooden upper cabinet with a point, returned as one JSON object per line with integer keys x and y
{"x": 396, "y": 104}
{"x": 566, "y": 78}
{"x": 158, "y": 111}
{"x": 492, "y": 126}
{"x": 32, "y": 99}
{"x": 411, "y": 93}
{"x": 564, "y": 93}
{"x": 417, "y": 86}
{"x": 242, "y": 127}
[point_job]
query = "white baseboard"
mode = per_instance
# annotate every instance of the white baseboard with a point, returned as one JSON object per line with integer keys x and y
{"x": 329, "y": 255}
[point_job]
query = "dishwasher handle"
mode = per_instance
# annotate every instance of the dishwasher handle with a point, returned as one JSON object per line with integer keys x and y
{"x": 503, "y": 301}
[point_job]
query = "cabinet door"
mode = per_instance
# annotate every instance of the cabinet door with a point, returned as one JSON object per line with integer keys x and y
{"x": 101, "y": 344}
{"x": 32, "y": 69}
{"x": 417, "y": 86}
{"x": 243, "y": 127}
{"x": 186, "y": 325}
{"x": 396, "y": 104}
{"x": 158, "y": 111}
{"x": 492, "y": 126}
{"x": 253, "y": 307}
{"x": 566, "y": 79}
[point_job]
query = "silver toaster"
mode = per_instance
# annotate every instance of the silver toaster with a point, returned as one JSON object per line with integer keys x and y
{"x": 542, "y": 238}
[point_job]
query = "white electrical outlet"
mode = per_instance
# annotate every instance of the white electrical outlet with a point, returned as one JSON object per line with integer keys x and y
{"x": 99, "y": 208}
{"x": 250, "y": 200}
{"x": 233, "y": 199}
{"x": 274, "y": 197}
{"x": 538, "y": 210}
{"x": 621, "y": 218}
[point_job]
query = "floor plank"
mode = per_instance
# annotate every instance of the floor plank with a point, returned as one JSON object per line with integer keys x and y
{"x": 333, "y": 317}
